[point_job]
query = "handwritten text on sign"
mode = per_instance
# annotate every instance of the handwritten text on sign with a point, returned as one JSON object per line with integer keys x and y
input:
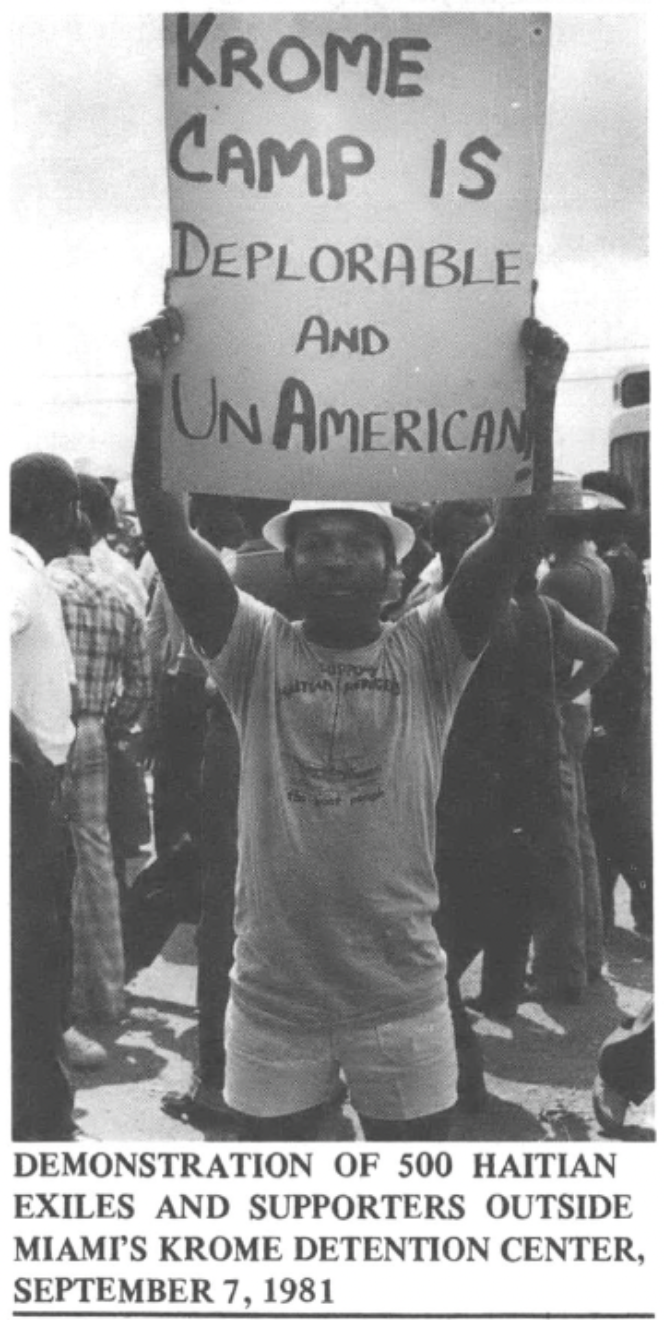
{"x": 354, "y": 204}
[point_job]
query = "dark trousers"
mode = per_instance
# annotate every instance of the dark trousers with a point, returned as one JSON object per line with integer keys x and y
{"x": 178, "y": 756}
{"x": 196, "y": 882}
{"x": 487, "y": 907}
{"x": 485, "y": 880}
{"x": 41, "y": 877}
{"x": 618, "y": 778}
{"x": 218, "y": 847}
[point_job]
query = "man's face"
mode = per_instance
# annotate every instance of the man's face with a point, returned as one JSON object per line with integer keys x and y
{"x": 339, "y": 563}
{"x": 221, "y": 529}
{"x": 464, "y": 531}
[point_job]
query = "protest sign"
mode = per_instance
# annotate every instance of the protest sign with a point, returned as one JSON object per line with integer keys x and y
{"x": 354, "y": 203}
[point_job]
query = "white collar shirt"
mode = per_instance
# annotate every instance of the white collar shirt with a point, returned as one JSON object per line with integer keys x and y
{"x": 42, "y": 671}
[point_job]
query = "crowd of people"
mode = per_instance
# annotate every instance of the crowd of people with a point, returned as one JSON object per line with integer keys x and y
{"x": 363, "y": 745}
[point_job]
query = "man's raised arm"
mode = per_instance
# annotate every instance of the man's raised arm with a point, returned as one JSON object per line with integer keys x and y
{"x": 484, "y": 581}
{"x": 197, "y": 583}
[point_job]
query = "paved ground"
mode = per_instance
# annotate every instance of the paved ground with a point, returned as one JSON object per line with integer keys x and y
{"x": 540, "y": 1068}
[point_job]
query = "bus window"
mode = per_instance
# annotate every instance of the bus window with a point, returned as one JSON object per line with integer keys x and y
{"x": 634, "y": 389}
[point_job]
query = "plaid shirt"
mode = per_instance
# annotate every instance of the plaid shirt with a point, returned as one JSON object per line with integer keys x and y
{"x": 107, "y": 641}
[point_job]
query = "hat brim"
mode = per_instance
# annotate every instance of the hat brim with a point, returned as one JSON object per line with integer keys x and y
{"x": 591, "y": 504}
{"x": 403, "y": 536}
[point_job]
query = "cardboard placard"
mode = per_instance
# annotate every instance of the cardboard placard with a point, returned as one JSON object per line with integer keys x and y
{"x": 354, "y": 203}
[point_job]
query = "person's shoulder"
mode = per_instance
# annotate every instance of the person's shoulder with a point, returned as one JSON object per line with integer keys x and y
{"x": 29, "y": 586}
{"x": 68, "y": 579}
{"x": 25, "y": 565}
{"x": 108, "y": 583}
{"x": 574, "y": 577}
{"x": 433, "y": 607}
{"x": 118, "y": 566}
{"x": 600, "y": 565}
{"x": 585, "y": 562}
{"x": 58, "y": 572}
{"x": 253, "y": 621}
{"x": 249, "y": 637}
{"x": 419, "y": 595}
{"x": 570, "y": 569}
{"x": 251, "y": 605}
{"x": 430, "y": 619}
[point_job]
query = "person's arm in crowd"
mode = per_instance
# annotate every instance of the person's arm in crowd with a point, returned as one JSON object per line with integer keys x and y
{"x": 197, "y": 583}
{"x": 157, "y": 635}
{"x": 577, "y": 641}
{"x": 146, "y": 570}
{"x": 70, "y": 626}
{"x": 483, "y": 583}
{"x": 26, "y": 751}
{"x": 24, "y": 744}
{"x": 157, "y": 639}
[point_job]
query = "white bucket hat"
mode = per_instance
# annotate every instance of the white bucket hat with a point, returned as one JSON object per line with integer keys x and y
{"x": 403, "y": 536}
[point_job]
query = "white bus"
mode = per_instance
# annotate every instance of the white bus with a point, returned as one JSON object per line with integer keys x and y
{"x": 629, "y": 432}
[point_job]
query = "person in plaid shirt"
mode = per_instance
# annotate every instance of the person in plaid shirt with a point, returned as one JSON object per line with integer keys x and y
{"x": 107, "y": 640}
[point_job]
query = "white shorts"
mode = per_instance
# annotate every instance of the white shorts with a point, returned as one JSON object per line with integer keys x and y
{"x": 394, "y": 1070}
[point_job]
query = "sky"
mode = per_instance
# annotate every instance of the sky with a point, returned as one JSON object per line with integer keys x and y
{"x": 90, "y": 223}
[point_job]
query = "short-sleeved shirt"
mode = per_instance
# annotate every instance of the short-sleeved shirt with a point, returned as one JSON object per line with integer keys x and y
{"x": 42, "y": 673}
{"x": 618, "y": 697}
{"x": 107, "y": 640}
{"x": 582, "y": 583}
{"x": 501, "y": 769}
{"x": 341, "y": 764}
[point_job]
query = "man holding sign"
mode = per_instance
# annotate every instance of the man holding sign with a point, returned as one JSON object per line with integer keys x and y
{"x": 343, "y": 722}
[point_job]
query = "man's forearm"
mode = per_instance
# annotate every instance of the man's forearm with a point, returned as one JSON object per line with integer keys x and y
{"x": 160, "y": 513}
{"x": 484, "y": 581}
{"x": 540, "y": 411}
{"x": 520, "y": 521}
{"x": 199, "y": 588}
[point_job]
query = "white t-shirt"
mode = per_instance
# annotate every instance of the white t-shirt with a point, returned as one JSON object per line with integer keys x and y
{"x": 42, "y": 665}
{"x": 341, "y": 763}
